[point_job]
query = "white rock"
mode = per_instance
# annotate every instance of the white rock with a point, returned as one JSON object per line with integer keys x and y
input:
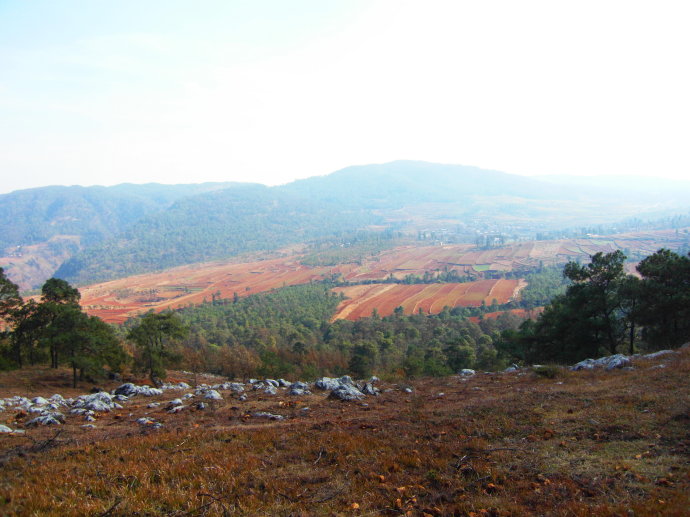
{"x": 213, "y": 395}
{"x": 270, "y": 416}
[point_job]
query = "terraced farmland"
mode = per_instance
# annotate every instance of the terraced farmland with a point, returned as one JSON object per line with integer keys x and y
{"x": 429, "y": 298}
{"x": 117, "y": 300}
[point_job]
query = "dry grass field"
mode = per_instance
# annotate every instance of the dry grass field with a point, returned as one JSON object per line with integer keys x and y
{"x": 507, "y": 444}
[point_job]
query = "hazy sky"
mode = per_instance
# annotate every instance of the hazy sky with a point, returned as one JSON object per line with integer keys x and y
{"x": 96, "y": 92}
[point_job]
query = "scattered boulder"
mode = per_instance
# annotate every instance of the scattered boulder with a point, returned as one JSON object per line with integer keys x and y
{"x": 149, "y": 422}
{"x": 213, "y": 395}
{"x": 346, "y": 392}
{"x": 201, "y": 405}
{"x": 39, "y": 401}
{"x": 284, "y": 384}
{"x": 243, "y": 397}
{"x": 58, "y": 399}
{"x": 47, "y": 419}
{"x": 270, "y": 390}
{"x": 608, "y": 363}
{"x": 658, "y": 354}
{"x": 270, "y": 416}
{"x": 512, "y": 368}
{"x": 5, "y": 429}
{"x": 101, "y": 402}
{"x": 327, "y": 383}
{"x": 148, "y": 391}
{"x": 369, "y": 389}
{"x": 128, "y": 390}
{"x": 467, "y": 372}
{"x": 272, "y": 382}
{"x": 236, "y": 387}
{"x": 617, "y": 361}
{"x": 299, "y": 388}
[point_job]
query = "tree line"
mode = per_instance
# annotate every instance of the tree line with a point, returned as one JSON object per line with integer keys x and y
{"x": 605, "y": 311}
{"x": 55, "y": 331}
{"x": 594, "y": 309}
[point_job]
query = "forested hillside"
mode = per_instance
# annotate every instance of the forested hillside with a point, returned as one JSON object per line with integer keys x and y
{"x": 226, "y": 223}
{"x": 92, "y": 213}
{"x": 42, "y": 227}
{"x": 212, "y": 226}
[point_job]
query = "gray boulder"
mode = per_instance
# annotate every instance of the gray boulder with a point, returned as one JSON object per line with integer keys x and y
{"x": 101, "y": 402}
{"x": 616, "y": 361}
{"x": 5, "y": 429}
{"x": 149, "y": 422}
{"x": 299, "y": 388}
{"x": 213, "y": 395}
{"x": 467, "y": 372}
{"x": 270, "y": 390}
{"x": 128, "y": 390}
{"x": 47, "y": 419}
{"x": 658, "y": 354}
{"x": 270, "y": 416}
{"x": 369, "y": 389}
{"x": 608, "y": 363}
{"x": 346, "y": 392}
{"x": 327, "y": 383}
{"x": 148, "y": 391}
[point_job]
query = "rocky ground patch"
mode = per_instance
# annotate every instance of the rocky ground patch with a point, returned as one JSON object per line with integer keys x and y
{"x": 588, "y": 442}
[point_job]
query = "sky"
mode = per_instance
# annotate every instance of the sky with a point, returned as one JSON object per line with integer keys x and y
{"x": 168, "y": 91}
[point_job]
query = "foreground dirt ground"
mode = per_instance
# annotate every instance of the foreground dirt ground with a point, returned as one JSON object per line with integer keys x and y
{"x": 581, "y": 443}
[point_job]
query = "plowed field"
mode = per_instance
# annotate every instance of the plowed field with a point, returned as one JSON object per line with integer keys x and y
{"x": 117, "y": 300}
{"x": 429, "y": 298}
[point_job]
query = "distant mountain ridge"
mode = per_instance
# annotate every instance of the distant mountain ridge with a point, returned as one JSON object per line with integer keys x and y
{"x": 39, "y": 226}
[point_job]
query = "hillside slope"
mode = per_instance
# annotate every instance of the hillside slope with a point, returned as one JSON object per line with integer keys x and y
{"x": 41, "y": 227}
{"x": 583, "y": 443}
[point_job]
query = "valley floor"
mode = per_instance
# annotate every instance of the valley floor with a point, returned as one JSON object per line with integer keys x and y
{"x": 582, "y": 443}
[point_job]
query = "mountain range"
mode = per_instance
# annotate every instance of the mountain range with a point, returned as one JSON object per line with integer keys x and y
{"x": 87, "y": 234}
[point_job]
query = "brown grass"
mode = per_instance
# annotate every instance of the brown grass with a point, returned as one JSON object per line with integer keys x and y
{"x": 581, "y": 444}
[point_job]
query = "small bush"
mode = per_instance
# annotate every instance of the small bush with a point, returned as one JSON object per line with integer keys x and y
{"x": 549, "y": 371}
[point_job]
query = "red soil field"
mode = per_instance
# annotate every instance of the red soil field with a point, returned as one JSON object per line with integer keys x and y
{"x": 430, "y": 298}
{"x": 118, "y": 300}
